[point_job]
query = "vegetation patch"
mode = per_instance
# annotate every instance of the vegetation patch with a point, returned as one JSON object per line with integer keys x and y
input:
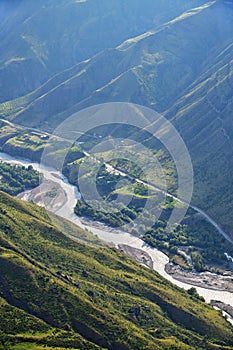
{"x": 15, "y": 179}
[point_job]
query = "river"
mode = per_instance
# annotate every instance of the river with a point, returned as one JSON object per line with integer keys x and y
{"x": 111, "y": 235}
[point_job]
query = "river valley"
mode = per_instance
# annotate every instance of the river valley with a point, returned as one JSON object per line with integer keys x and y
{"x": 63, "y": 205}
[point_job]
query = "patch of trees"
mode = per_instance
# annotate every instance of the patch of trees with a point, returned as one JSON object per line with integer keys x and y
{"x": 15, "y": 179}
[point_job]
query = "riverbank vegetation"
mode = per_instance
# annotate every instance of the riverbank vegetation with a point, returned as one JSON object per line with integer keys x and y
{"x": 15, "y": 179}
{"x": 194, "y": 237}
{"x": 197, "y": 238}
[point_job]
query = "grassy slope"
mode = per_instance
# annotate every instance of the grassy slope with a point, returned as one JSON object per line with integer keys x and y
{"x": 96, "y": 292}
{"x": 20, "y": 330}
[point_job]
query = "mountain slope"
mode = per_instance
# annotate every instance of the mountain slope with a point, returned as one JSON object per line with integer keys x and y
{"x": 204, "y": 119}
{"x": 96, "y": 292}
{"x": 162, "y": 69}
{"x": 47, "y": 37}
{"x": 150, "y": 69}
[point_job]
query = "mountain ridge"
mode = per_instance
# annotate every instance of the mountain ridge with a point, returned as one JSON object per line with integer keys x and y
{"x": 72, "y": 40}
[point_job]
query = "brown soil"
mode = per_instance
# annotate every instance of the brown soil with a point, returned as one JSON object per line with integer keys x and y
{"x": 203, "y": 279}
{"x": 137, "y": 254}
{"x": 49, "y": 194}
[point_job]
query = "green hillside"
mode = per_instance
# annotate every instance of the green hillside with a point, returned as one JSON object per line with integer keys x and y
{"x": 62, "y": 293}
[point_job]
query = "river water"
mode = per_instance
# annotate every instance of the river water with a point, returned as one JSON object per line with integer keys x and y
{"x": 111, "y": 235}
